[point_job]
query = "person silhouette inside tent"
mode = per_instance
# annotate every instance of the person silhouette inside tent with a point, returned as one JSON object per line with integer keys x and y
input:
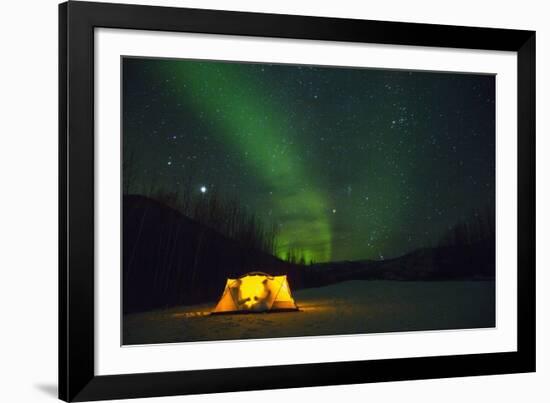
{"x": 260, "y": 302}
{"x": 256, "y": 302}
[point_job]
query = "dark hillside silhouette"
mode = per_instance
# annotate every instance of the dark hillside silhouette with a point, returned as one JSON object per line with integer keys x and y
{"x": 170, "y": 259}
{"x": 474, "y": 262}
{"x": 465, "y": 252}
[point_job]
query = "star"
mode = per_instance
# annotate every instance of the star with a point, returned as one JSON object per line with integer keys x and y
{"x": 203, "y": 189}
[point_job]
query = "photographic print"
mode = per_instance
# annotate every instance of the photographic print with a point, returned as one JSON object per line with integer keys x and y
{"x": 275, "y": 200}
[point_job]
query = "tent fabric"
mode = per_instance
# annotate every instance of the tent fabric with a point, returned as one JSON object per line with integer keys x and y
{"x": 256, "y": 292}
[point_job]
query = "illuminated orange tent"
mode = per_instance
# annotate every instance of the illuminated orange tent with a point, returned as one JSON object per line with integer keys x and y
{"x": 256, "y": 292}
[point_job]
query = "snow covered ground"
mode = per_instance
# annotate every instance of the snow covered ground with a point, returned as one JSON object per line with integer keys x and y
{"x": 344, "y": 308}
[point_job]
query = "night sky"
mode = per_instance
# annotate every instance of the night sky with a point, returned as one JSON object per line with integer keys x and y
{"x": 349, "y": 163}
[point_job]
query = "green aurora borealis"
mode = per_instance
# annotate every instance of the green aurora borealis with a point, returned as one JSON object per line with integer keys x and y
{"x": 349, "y": 163}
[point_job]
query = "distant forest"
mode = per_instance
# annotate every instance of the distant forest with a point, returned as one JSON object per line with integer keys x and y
{"x": 476, "y": 228}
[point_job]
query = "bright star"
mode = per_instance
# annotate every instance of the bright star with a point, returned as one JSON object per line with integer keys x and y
{"x": 203, "y": 189}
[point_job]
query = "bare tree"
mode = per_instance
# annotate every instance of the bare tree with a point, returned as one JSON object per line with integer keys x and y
{"x": 129, "y": 171}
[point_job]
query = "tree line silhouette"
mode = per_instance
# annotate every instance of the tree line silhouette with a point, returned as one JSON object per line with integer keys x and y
{"x": 478, "y": 227}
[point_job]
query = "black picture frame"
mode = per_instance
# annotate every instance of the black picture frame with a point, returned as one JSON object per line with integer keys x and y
{"x": 77, "y": 379}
